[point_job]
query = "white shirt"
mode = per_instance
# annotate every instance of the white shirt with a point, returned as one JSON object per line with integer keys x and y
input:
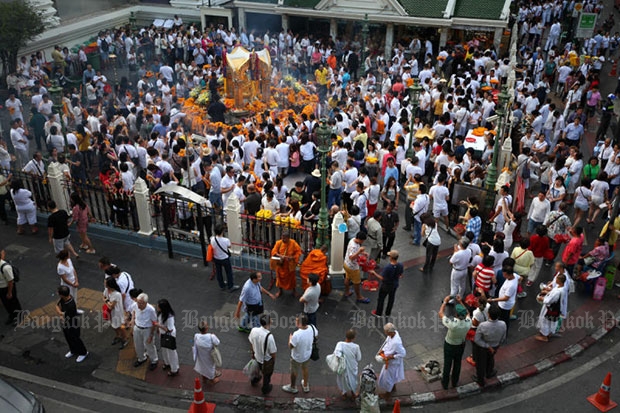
{"x": 439, "y": 194}
{"x": 509, "y": 288}
{"x": 145, "y": 318}
{"x": 301, "y": 341}
{"x": 539, "y": 210}
{"x": 220, "y": 247}
{"x": 257, "y": 339}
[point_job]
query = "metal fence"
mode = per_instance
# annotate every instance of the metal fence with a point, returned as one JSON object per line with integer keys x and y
{"x": 37, "y": 185}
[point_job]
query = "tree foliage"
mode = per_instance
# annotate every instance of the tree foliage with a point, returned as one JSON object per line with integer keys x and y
{"x": 19, "y": 23}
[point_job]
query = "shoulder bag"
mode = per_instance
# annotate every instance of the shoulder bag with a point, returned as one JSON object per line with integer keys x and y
{"x": 315, "y": 347}
{"x": 216, "y": 356}
{"x": 268, "y": 365}
{"x": 168, "y": 341}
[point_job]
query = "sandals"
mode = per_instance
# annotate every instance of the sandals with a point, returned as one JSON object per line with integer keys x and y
{"x": 349, "y": 294}
{"x": 364, "y": 300}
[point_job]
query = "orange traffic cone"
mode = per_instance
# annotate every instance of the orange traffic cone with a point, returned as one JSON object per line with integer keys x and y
{"x": 199, "y": 405}
{"x": 601, "y": 399}
{"x": 396, "y": 406}
{"x": 614, "y": 68}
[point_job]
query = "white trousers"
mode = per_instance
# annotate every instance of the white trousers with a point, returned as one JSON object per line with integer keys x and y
{"x": 171, "y": 358}
{"x": 458, "y": 283}
{"x": 140, "y": 338}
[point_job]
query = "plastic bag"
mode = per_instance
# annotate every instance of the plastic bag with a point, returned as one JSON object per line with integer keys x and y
{"x": 252, "y": 369}
{"x": 335, "y": 363}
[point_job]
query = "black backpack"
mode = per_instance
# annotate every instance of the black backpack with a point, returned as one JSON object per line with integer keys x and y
{"x": 15, "y": 271}
{"x": 104, "y": 45}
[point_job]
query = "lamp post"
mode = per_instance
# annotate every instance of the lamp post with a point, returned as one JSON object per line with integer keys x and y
{"x": 364, "y": 41}
{"x": 55, "y": 92}
{"x": 323, "y": 135}
{"x": 414, "y": 99}
{"x": 492, "y": 172}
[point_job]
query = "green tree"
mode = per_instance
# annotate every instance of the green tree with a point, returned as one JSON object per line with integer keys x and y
{"x": 19, "y": 24}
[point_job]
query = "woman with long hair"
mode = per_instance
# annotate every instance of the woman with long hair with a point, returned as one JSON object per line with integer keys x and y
{"x": 81, "y": 216}
{"x": 165, "y": 322}
{"x": 113, "y": 299}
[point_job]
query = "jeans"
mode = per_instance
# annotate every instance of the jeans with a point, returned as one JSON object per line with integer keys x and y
{"x": 311, "y": 318}
{"x": 334, "y": 197}
{"x": 532, "y": 225}
{"x": 390, "y": 292}
{"x": 227, "y": 266}
{"x": 250, "y": 320}
{"x": 417, "y": 231}
{"x": 452, "y": 356}
{"x": 216, "y": 199}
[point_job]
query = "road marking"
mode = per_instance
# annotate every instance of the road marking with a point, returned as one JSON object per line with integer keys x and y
{"x": 83, "y": 392}
{"x": 70, "y": 408}
{"x": 545, "y": 387}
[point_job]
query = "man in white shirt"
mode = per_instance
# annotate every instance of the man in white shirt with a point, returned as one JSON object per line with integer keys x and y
{"x": 261, "y": 338}
{"x": 440, "y": 196}
{"x": 300, "y": 343}
{"x": 19, "y": 139}
{"x": 508, "y": 292}
{"x": 144, "y": 322}
{"x": 228, "y": 183}
{"x": 539, "y": 209}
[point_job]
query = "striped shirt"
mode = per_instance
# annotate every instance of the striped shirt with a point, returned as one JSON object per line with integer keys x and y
{"x": 483, "y": 277}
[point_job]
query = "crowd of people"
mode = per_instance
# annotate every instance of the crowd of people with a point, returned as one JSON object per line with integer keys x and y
{"x": 117, "y": 134}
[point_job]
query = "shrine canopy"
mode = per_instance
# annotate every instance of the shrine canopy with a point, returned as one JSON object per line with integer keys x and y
{"x": 239, "y": 56}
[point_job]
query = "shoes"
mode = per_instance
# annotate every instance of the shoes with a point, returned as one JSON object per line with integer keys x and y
{"x": 80, "y": 311}
{"x": 68, "y": 355}
{"x": 233, "y": 288}
{"x": 116, "y": 340}
{"x": 305, "y": 387}
{"x": 470, "y": 360}
{"x": 81, "y": 358}
{"x": 91, "y": 252}
{"x": 243, "y": 329}
{"x": 364, "y": 300}
{"x": 289, "y": 389}
{"x": 529, "y": 284}
{"x": 268, "y": 389}
{"x": 522, "y": 294}
{"x": 492, "y": 374}
{"x": 173, "y": 373}
{"x": 124, "y": 344}
{"x": 407, "y": 229}
{"x": 165, "y": 367}
{"x": 138, "y": 363}
{"x": 374, "y": 312}
{"x": 153, "y": 366}
{"x": 477, "y": 380}
{"x": 542, "y": 338}
{"x": 513, "y": 317}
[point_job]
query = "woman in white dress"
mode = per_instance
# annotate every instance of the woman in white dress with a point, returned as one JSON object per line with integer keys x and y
{"x": 165, "y": 322}
{"x": 347, "y": 381}
{"x": 203, "y": 344}
{"x": 113, "y": 299}
{"x": 393, "y": 353}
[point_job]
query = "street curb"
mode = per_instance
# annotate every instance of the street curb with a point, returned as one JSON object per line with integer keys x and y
{"x": 522, "y": 373}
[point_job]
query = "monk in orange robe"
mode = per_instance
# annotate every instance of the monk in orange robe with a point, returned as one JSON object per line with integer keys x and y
{"x": 288, "y": 251}
{"x": 315, "y": 262}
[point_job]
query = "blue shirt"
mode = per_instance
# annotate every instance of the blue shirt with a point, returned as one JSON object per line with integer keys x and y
{"x": 574, "y": 133}
{"x": 474, "y": 225}
{"x": 216, "y": 180}
{"x": 391, "y": 274}
{"x": 393, "y": 172}
{"x": 250, "y": 293}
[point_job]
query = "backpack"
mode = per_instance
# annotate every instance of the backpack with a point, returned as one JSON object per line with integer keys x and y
{"x": 105, "y": 47}
{"x": 15, "y": 271}
{"x": 525, "y": 172}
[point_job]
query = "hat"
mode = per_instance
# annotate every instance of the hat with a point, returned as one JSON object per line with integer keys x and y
{"x": 393, "y": 254}
{"x": 461, "y": 311}
{"x": 316, "y": 173}
{"x": 611, "y": 96}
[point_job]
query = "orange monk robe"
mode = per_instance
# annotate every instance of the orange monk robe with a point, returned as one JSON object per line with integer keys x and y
{"x": 315, "y": 262}
{"x": 285, "y": 273}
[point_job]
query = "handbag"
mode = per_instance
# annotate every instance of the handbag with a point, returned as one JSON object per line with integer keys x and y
{"x": 315, "y": 347}
{"x": 168, "y": 341}
{"x": 553, "y": 310}
{"x": 216, "y": 356}
{"x": 252, "y": 370}
{"x": 210, "y": 253}
{"x": 336, "y": 363}
{"x": 105, "y": 312}
{"x": 561, "y": 238}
